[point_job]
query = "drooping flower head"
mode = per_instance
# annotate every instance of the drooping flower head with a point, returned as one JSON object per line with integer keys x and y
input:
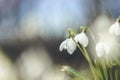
{"x": 82, "y": 38}
{"x": 107, "y": 49}
{"x": 69, "y": 45}
{"x": 115, "y": 28}
{"x": 101, "y": 49}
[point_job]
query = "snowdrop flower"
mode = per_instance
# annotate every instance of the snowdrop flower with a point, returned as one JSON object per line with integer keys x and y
{"x": 82, "y": 39}
{"x": 101, "y": 49}
{"x": 69, "y": 45}
{"x": 115, "y": 29}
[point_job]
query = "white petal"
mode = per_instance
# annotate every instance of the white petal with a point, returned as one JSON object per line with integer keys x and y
{"x": 63, "y": 45}
{"x": 111, "y": 30}
{"x": 106, "y": 49}
{"x": 71, "y": 46}
{"x": 83, "y": 39}
{"x": 77, "y": 37}
{"x": 100, "y": 50}
{"x": 115, "y": 29}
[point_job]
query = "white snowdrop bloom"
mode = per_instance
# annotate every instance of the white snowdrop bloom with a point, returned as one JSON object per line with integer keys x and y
{"x": 101, "y": 49}
{"x": 82, "y": 39}
{"x": 115, "y": 29}
{"x": 69, "y": 45}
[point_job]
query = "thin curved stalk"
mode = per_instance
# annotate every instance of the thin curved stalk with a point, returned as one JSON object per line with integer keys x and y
{"x": 92, "y": 35}
{"x": 90, "y": 63}
{"x": 111, "y": 75}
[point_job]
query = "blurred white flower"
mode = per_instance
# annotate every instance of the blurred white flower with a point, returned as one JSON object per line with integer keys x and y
{"x": 82, "y": 39}
{"x": 7, "y": 68}
{"x": 33, "y": 63}
{"x": 69, "y": 45}
{"x": 101, "y": 49}
{"x": 115, "y": 29}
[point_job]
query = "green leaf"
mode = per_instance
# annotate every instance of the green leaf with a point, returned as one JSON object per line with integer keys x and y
{"x": 74, "y": 73}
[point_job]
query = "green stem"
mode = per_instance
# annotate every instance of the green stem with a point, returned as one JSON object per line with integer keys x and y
{"x": 75, "y": 73}
{"x": 116, "y": 75}
{"x": 92, "y": 35}
{"x": 78, "y": 46}
{"x": 90, "y": 63}
{"x": 104, "y": 67}
{"x": 85, "y": 53}
{"x": 99, "y": 72}
{"x": 111, "y": 75}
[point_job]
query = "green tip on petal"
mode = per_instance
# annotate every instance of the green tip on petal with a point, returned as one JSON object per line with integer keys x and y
{"x": 118, "y": 19}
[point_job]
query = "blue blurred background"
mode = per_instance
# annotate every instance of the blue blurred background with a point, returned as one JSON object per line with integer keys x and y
{"x": 50, "y": 18}
{"x": 43, "y": 24}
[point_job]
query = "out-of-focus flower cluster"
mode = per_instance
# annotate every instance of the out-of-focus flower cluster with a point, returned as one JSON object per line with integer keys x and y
{"x": 107, "y": 49}
{"x": 70, "y": 42}
{"x": 32, "y": 64}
